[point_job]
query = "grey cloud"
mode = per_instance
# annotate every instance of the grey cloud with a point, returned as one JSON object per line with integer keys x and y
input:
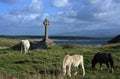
{"x": 116, "y": 1}
{"x": 93, "y": 15}
{"x": 88, "y": 9}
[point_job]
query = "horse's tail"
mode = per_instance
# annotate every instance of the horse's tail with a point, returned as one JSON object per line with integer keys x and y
{"x": 111, "y": 60}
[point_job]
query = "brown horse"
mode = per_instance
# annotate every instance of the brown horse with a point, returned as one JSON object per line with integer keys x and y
{"x": 105, "y": 58}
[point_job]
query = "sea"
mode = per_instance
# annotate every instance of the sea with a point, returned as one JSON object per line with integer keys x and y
{"x": 83, "y": 42}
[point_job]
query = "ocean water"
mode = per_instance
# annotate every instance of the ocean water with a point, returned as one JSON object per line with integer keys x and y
{"x": 83, "y": 42}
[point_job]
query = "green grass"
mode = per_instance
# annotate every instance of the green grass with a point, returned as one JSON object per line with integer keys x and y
{"x": 47, "y": 63}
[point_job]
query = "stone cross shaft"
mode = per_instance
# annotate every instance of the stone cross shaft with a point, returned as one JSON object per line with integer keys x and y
{"x": 46, "y": 24}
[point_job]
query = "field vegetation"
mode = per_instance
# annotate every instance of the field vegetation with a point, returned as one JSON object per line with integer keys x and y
{"x": 47, "y": 63}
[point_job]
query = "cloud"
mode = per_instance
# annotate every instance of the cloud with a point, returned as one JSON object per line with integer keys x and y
{"x": 116, "y": 1}
{"x": 60, "y": 3}
{"x": 35, "y": 6}
{"x": 89, "y": 15}
{"x": 94, "y": 10}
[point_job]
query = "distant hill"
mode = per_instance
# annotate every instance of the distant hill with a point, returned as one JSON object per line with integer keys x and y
{"x": 99, "y": 33}
{"x": 115, "y": 40}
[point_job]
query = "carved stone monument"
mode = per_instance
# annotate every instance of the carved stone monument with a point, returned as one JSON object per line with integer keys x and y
{"x": 46, "y": 24}
{"x": 47, "y": 42}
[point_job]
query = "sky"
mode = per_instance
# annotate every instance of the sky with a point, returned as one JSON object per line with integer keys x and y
{"x": 25, "y": 17}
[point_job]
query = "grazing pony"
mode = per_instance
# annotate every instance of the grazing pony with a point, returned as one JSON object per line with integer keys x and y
{"x": 74, "y": 60}
{"x": 105, "y": 58}
{"x": 25, "y": 45}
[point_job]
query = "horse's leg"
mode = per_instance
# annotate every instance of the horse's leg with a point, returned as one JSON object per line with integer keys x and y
{"x": 112, "y": 67}
{"x": 76, "y": 70}
{"x": 107, "y": 64}
{"x": 64, "y": 71}
{"x": 21, "y": 48}
{"x": 83, "y": 68}
{"x": 25, "y": 50}
{"x": 69, "y": 70}
{"x": 100, "y": 66}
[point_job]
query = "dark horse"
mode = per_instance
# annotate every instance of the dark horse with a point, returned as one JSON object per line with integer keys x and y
{"x": 105, "y": 58}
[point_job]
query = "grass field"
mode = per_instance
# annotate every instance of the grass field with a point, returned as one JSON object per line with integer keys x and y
{"x": 47, "y": 63}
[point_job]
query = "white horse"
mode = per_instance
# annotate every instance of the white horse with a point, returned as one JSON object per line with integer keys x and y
{"x": 25, "y": 45}
{"x": 74, "y": 60}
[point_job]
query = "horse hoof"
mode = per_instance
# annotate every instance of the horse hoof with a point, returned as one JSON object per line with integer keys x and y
{"x": 69, "y": 75}
{"x": 75, "y": 73}
{"x": 83, "y": 74}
